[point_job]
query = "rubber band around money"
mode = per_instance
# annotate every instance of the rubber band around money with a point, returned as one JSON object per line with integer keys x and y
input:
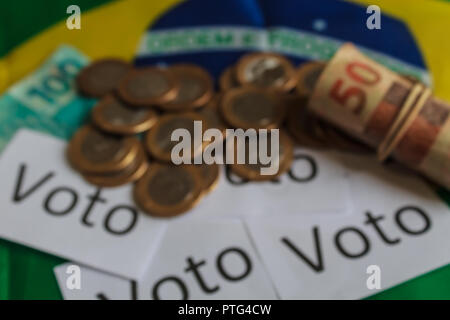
{"x": 405, "y": 109}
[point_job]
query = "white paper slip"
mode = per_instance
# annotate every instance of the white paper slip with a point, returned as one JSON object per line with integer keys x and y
{"x": 196, "y": 260}
{"x": 316, "y": 183}
{"x": 201, "y": 259}
{"x": 46, "y": 205}
{"x": 399, "y": 230}
{"x": 82, "y": 283}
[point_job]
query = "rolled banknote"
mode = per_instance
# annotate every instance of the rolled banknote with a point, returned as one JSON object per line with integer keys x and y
{"x": 389, "y": 112}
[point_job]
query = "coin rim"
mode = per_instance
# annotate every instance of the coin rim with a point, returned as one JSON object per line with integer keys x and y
{"x": 150, "y": 138}
{"x": 207, "y": 83}
{"x": 84, "y": 88}
{"x": 214, "y": 104}
{"x": 227, "y": 77}
{"x": 114, "y": 181}
{"x": 98, "y": 119}
{"x": 301, "y": 137}
{"x": 288, "y": 66}
{"x": 230, "y": 118}
{"x": 165, "y": 97}
{"x": 81, "y": 164}
{"x": 156, "y": 210}
{"x": 211, "y": 185}
{"x": 241, "y": 171}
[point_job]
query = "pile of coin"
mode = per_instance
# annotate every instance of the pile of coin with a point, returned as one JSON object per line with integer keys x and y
{"x": 129, "y": 137}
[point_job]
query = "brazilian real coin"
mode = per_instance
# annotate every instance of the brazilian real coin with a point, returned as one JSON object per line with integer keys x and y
{"x": 92, "y": 151}
{"x": 114, "y": 116}
{"x": 158, "y": 140}
{"x": 196, "y": 88}
{"x": 167, "y": 190}
{"x": 228, "y": 79}
{"x": 252, "y": 107}
{"x": 253, "y": 172}
{"x": 209, "y": 174}
{"x": 101, "y": 77}
{"x": 268, "y": 70}
{"x": 212, "y": 115}
{"x": 133, "y": 172}
{"x": 148, "y": 86}
{"x": 307, "y": 75}
{"x": 302, "y": 125}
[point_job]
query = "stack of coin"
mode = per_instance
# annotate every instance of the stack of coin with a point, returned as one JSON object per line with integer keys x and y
{"x": 159, "y": 143}
{"x": 129, "y": 138}
{"x": 106, "y": 160}
{"x": 167, "y": 190}
{"x": 252, "y": 93}
{"x": 101, "y": 77}
{"x": 276, "y": 77}
{"x": 254, "y": 172}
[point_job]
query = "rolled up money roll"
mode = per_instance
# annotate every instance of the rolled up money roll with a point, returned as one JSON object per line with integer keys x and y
{"x": 385, "y": 110}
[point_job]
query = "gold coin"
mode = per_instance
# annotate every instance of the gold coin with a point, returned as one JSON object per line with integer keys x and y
{"x": 302, "y": 125}
{"x": 253, "y": 171}
{"x": 167, "y": 190}
{"x": 158, "y": 140}
{"x": 92, "y": 151}
{"x": 307, "y": 75}
{"x": 251, "y": 107}
{"x": 130, "y": 174}
{"x": 268, "y": 70}
{"x": 212, "y": 114}
{"x": 148, "y": 86}
{"x": 228, "y": 79}
{"x": 196, "y": 88}
{"x": 101, "y": 77}
{"x": 114, "y": 116}
{"x": 210, "y": 174}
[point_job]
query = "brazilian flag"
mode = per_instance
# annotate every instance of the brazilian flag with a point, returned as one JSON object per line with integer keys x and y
{"x": 145, "y": 32}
